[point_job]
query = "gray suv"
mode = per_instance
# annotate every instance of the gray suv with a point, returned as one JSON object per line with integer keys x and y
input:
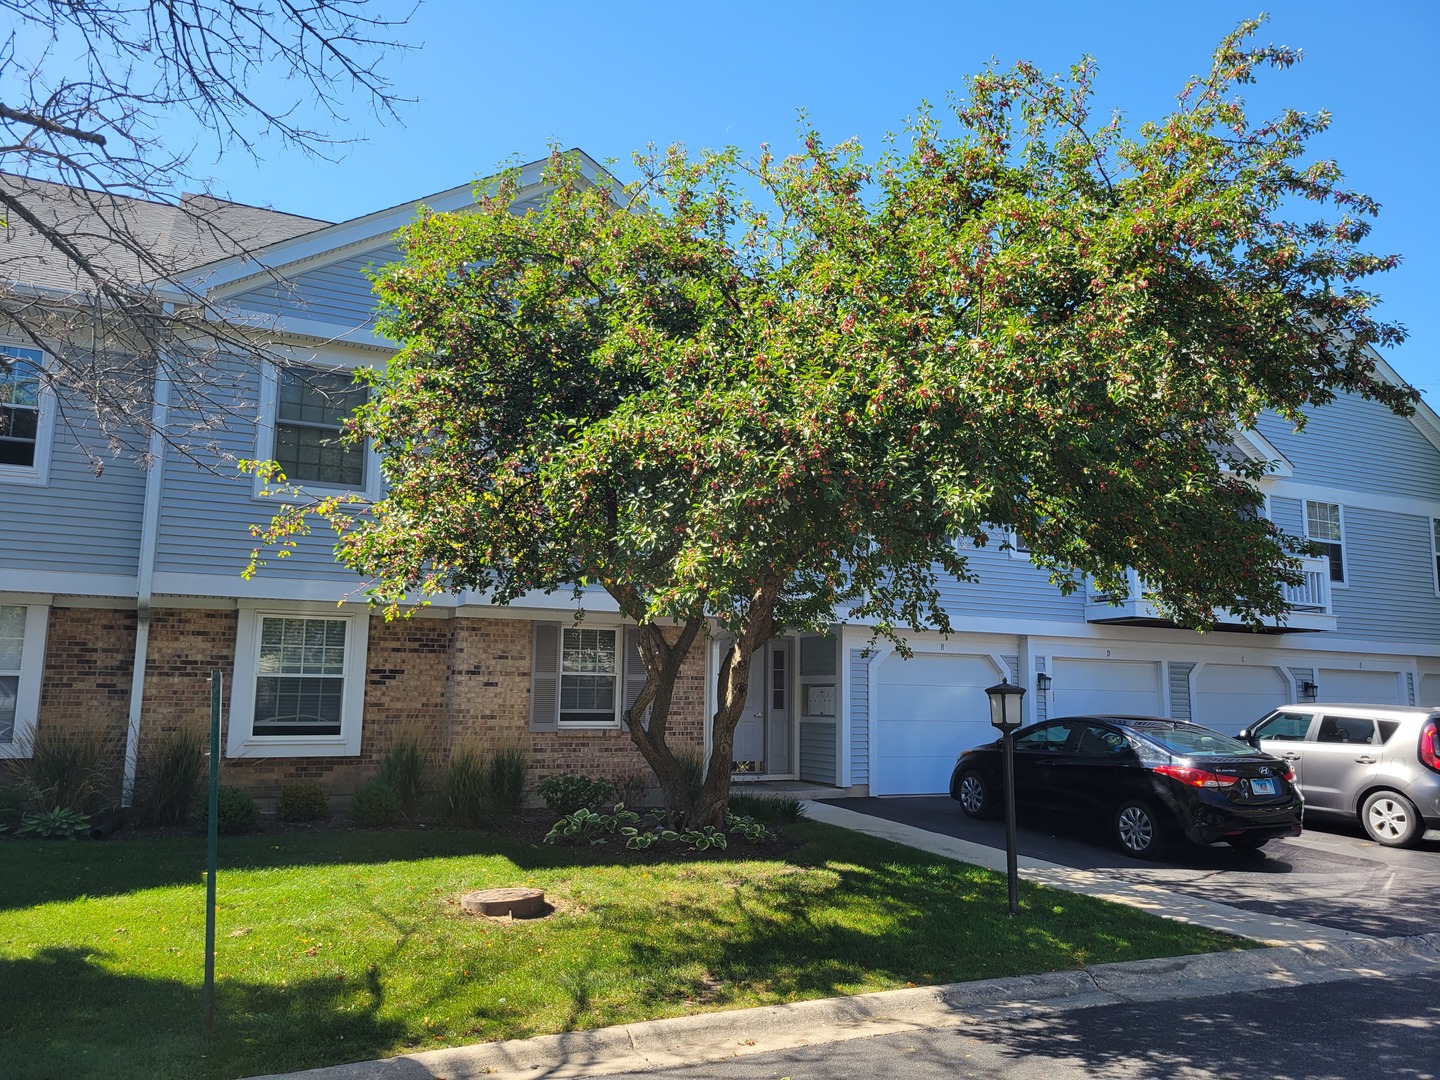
{"x": 1378, "y": 763}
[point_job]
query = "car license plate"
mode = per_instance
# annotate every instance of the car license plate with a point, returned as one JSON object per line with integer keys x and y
{"x": 1262, "y": 787}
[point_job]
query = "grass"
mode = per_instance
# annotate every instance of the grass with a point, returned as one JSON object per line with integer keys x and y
{"x": 339, "y": 946}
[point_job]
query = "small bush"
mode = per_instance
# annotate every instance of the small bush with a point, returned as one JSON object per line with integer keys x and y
{"x": 633, "y": 790}
{"x": 404, "y": 768}
{"x": 69, "y": 769}
{"x": 564, "y": 793}
{"x": 465, "y": 788}
{"x": 302, "y": 801}
{"x": 236, "y": 811}
{"x": 172, "y": 776}
{"x": 375, "y": 805}
{"x": 11, "y": 803}
{"x": 505, "y": 772}
{"x": 57, "y": 823}
{"x": 692, "y": 768}
{"x": 781, "y": 809}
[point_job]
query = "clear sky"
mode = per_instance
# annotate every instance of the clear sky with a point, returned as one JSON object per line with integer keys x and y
{"x": 498, "y": 80}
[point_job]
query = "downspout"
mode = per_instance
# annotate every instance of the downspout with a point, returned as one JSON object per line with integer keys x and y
{"x": 145, "y": 578}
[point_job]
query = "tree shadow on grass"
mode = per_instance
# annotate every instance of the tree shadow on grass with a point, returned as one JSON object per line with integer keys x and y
{"x": 72, "y": 1017}
{"x": 47, "y": 872}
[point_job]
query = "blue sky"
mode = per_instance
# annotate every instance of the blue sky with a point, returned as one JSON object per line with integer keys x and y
{"x": 494, "y": 81}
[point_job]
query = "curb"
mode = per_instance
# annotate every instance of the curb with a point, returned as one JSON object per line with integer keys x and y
{"x": 685, "y": 1040}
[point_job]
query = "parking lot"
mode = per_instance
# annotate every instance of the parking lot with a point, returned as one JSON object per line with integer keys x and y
{"x": 1331, "y": 874}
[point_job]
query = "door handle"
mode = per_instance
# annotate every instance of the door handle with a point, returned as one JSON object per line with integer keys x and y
{"x": 1366, "y": 760}
{"x": 759, "y": 714}
{"x": 1292, "y": 757}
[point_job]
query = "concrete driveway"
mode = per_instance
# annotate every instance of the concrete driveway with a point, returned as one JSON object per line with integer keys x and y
{"x": 1331, "y": 875}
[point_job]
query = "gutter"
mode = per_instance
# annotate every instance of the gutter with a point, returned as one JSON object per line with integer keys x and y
{"x": 145, "y": 579}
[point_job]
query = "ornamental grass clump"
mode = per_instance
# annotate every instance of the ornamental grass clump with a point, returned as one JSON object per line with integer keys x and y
{"x": 75, "y": 769}
{"x": 465, "y": 788}
{"x": 171, "y": 776}
{"x": 406, "y": 769}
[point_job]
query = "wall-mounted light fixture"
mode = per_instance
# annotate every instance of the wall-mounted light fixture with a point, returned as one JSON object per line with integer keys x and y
{"x": 1308, "y": 690}
{"x": 1042, "y": 682}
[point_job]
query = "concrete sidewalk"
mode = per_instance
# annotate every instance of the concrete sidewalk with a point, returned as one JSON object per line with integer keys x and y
{"x": 1300, "y": 953}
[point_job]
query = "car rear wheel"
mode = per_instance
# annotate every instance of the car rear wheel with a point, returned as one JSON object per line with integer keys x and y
{"x": 1391, "y": 819}
{"x": 1138, "y": 831}
{"x": 975, "y": 797}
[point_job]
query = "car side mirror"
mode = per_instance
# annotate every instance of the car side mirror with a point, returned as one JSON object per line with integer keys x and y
{"x": 1244, "y": 735}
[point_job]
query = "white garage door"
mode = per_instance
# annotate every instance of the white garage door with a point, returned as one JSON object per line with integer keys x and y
{"x": 1082, "y": 687}
{"x": 1370, "y": 687}
{"x": 928, "y": 709}
{"x": 1229, "y": 697}
{"x": 1430, "y": 690}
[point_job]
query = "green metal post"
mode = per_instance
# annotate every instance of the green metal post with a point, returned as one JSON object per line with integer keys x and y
{"x": 211, "y": 853}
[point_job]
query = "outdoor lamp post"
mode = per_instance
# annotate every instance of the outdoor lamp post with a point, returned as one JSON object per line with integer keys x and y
{"x": 1005, "y": 715}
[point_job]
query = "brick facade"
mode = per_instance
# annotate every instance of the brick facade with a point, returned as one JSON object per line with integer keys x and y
{"x": 453, "y": 681}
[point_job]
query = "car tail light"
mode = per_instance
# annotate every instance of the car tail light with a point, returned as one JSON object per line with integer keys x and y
{"x": 1287, "y": 771}
{"x": 1196, "y": 777}
{"x": 1430, "y": 744}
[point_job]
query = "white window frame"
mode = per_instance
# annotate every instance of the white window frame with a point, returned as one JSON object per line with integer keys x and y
{"x": 37, "y": 473}
{"x": 1343, "y": 582}
{"x": 241, "y": 740}
{"x": 369, "y": 489}
{"x": 1435, "y": 551}
{"x": 619, "y": 676}
{"x": 31, "y": 672}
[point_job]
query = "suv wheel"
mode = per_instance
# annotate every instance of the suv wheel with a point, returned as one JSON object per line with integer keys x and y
{"x": 1138, "y": 831}
{"x": 975, "y": 797}
{"x": 1391, "y": 819}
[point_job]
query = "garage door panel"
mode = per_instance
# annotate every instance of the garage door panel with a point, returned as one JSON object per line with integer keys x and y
{"x": 1370, "y": 687}
{"x": 1081, "y": 687}
{"x": 1229, "y": 697}
{"x": 1430, "y": 690}
{"x": 928, "y": 709}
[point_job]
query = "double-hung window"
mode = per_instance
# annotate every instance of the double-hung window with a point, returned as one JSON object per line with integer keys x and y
{"x": 1324, "y": 529}
{"x": 583, "y": 676}
{"x": 24, "y": 425}
{"x": 299, "y": 684}
{"x": 311, "y": 407}
{"x": 22, "y": 653}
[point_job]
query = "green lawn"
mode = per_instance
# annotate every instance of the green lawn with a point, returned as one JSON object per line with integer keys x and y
{"x": 339, "y": 946}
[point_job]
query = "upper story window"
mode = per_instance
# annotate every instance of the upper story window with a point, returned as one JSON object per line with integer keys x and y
{"x": 1324, "y": 528}
{"x": 24, "y": 425}
{"x": 310, "y": 413}
{"x": 1435, "y": 549}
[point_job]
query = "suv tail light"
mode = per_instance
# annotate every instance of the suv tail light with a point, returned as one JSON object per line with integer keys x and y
{"x": 1196, "y": 777}
{"x": 1430, "y": 744}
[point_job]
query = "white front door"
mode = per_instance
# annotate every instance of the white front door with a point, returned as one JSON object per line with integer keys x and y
{"x": 763, "y": 732}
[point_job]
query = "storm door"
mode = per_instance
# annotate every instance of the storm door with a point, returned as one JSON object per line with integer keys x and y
{"x": 763, "y": 733}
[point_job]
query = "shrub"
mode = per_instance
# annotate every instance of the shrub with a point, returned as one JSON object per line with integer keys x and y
{"x": 769, "y": 808}
{"x": 692, "y": 768}
{"x": 465, "y": 788}
{"x": 236, "y": 811}
{"x": 57, "y": 823}
{"x": 505, "y": 774}
{"x": 303, "y": 801}
{"x": 11, "y": 803}
{"x": 375, "y": 805}
{"x": 70, "y": 769}
{"x": 633, "y": 790}
{"x": 405, "y": 769}
{"x": 748, "y": 828}
{"x": 172, "y": 776}
{"x": 564, "y": 793}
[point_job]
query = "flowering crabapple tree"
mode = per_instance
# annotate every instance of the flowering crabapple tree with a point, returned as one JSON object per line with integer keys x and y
{"x": 770, "y": 394}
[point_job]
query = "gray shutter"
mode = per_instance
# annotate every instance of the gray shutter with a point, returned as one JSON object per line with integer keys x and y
{"x": 545, "y": 677}
{"x": 634, "y": 671}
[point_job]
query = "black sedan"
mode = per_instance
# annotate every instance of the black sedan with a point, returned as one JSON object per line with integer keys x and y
{"x": 1151, "y": 780}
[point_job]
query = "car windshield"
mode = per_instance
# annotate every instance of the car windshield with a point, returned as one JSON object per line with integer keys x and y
{"x": 1200, "y": 742}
